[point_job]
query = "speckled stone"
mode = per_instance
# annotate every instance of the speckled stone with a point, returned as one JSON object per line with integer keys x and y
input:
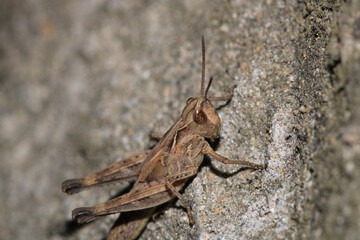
{"x": 82, "y": 83}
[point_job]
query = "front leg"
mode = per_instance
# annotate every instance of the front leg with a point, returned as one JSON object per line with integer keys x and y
{"x": 208, "y": 150}
{"x": 225, "y": 98}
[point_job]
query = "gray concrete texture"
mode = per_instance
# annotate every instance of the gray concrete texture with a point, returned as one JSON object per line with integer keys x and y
{"x": 82, "y": 83}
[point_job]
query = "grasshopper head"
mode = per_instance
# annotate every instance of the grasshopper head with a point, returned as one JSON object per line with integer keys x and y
{"x": 201, "y": 117}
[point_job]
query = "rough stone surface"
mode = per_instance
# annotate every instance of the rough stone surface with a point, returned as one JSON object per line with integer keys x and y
{"x": 82, "y": 83}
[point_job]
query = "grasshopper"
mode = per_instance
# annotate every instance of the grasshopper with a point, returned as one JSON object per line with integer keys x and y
{"x": 159, "y": 173}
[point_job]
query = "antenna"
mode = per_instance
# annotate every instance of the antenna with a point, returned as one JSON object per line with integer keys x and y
{"x": 203, "y": 66}
{"x": 207, "y": 88}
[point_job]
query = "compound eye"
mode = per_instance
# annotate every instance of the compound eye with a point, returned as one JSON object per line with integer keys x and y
{"x": 199, "y": 117}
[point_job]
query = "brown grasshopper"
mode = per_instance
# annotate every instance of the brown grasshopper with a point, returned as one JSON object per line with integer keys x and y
{"x": 162, "y": 172}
